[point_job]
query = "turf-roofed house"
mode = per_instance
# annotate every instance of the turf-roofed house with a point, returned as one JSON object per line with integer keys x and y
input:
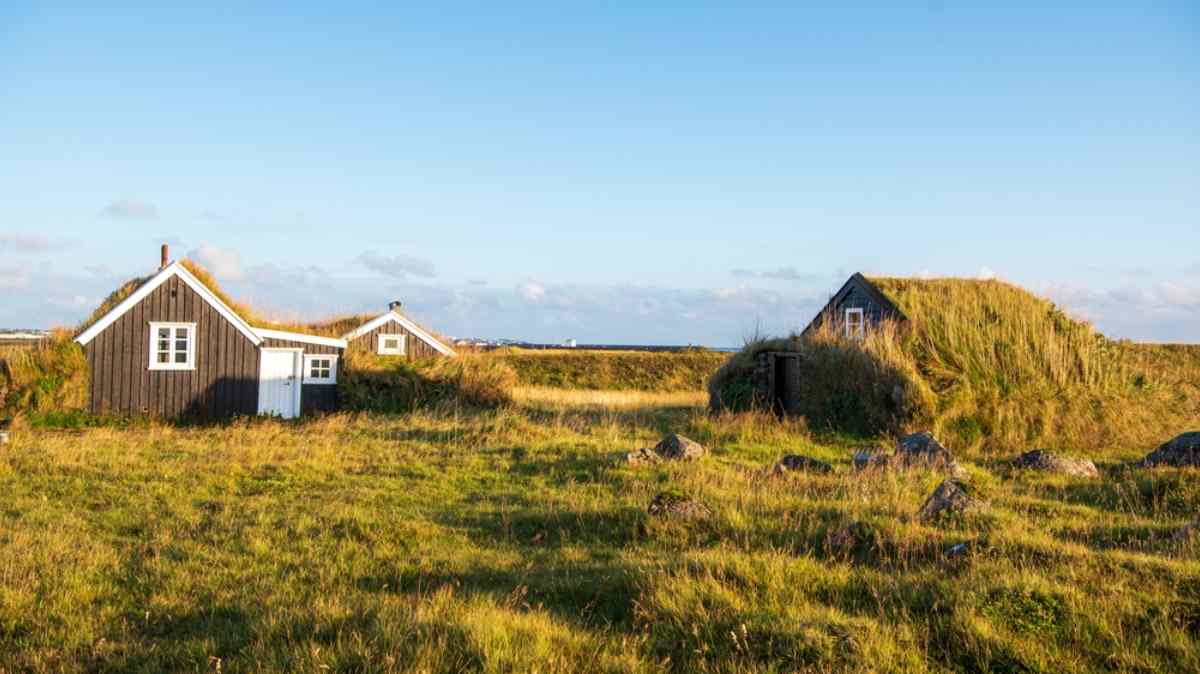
{"x": 980, "y": 362}
{"x": 173, "y": 345}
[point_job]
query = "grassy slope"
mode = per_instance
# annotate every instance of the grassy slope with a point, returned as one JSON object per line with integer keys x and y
{"x": 614, "y": 370}
{"x": 987, "y": 363}
{"x": 510, "y": 541}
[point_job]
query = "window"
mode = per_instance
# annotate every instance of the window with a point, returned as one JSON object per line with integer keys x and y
{"x": 393, "y": 345}
{"x": 172, "y": 346}
{"x": 856, "y": 326}
{"x": 320, "y": 369}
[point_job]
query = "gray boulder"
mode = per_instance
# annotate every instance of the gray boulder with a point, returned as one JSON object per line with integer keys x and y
{"x": 949, "y": 498}
{"x": 924, "y": 451}
{"x": 677, "y": 447}
{"x": 643, "y": 457}
{"x": 1049, "y": 462}
{"x": 1182, "y": 451}
{"x": 668, "y": 504}
{"x": 802, "y": 464}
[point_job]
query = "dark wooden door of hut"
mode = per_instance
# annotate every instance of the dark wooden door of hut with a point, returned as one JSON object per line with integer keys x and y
{"x": 786, "y": 391}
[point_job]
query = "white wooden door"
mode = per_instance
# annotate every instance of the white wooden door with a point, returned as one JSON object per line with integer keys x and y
{"x": 279, "y": 383}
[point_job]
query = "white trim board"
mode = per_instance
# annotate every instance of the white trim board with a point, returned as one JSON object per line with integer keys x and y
{"x": 173, "y": 269}
{"x": 300, "y": 337}
{"x": 406, "y": 324}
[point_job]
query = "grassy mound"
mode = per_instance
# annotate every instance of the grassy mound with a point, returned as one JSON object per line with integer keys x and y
{"x": 613, "y": 370}
{"x": 984, "y": 364}
{"x": 51, "y": 377}
{"x": 368, "y": 382}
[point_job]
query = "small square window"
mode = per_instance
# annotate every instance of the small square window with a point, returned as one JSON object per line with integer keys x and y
{"x": 393, "y": 345}
{"x": 172, "y": 346}
{"x": 320, "y": 369}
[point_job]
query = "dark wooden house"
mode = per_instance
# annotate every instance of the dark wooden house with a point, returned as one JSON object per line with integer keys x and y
{"x": 394, "y": 334}
{"x": 173, "y": 348}
{"x": 856, "y": 307}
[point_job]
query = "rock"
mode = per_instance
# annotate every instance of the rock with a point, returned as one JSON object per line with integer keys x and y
{"x": 960, "y": 550}
{"x": 643, "y": 457}
{"x": 1182, "y": 451}
{"x": 965, "y": 549}
{"x": 1049, "y": 462}
{"x": 677, "y": 447}
{"x": 668, "y": 504}
{"x": 853, "y": 536}
{"x": 869, "y": 458}
{"x": 801, "y": 463}
{"x": 950, "y": 497}
{"x": 1188, "y": 534}
{"x": 923, "y": 450}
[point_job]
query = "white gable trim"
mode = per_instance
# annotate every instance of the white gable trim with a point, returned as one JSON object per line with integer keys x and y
{"x": 300, "y": 337}
{"x": 415, "y": 329}
{"x": 173, "y": 269}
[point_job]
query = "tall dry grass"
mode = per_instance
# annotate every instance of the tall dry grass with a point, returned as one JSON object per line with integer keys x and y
{"x": 986, "y": 365}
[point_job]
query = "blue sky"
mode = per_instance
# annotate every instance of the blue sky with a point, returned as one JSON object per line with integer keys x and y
{"x": 679, "y": 173}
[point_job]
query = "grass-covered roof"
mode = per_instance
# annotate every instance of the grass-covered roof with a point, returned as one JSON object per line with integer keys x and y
{"x": 988, "y": 361}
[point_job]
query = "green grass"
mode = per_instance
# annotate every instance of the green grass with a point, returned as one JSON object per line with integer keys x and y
{"x": 511, "y": 540}
{"x": 614, "y": 370}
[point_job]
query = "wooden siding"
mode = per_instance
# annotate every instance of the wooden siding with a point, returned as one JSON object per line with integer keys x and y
{"x": 857, "y": 293}
{"x": 417, "y": 348}
{"x": 224, "y": 382}
{"x": 313, "y": 397}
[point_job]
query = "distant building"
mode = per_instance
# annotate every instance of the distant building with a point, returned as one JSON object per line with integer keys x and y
{"x": 172, "y": 346}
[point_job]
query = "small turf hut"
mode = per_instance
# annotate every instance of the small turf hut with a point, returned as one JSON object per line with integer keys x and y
{"x": 981, "y": 362}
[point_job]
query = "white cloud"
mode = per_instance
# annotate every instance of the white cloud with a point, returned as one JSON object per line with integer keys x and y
{"x": 398, "y": 266}
{"x": 223, "y": 263}
{"x": 985, "y": 273}
{"x": 1161, "y": 312}
{"x": 532, "y": 291}
{"x": 12, "y": 278}
{"x": 130, "y": 209}
{"x": 789, "y": 273}
{"x": 28, "y": 243}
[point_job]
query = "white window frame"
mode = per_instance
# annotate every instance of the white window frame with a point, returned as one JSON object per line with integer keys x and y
{"x": 333, "y": 368}
{"x": 384, "y": 351}
{"x": 190, "y": 364}
{"x": 856, "y": 329}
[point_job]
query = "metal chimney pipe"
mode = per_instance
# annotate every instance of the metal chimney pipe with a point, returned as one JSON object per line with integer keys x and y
{"x": 166, "y": 258}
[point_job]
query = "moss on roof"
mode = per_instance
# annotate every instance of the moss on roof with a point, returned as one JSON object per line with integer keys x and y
{"x": 334, "y": 327}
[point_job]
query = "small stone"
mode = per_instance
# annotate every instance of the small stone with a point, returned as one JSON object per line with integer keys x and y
{"x": 677, "y": 447}
{"x": 668, "y": 504}
{"x": 950, "y": 497}
{"x": 1040, "y": 459}
{"x": 868, "y": 458}
{"x": 800, "y": 463}
{"x": 643, "y": 457}
{"x": 851, "y": 536}
{"x": 923, "y": 450}
{"x": 961, "y": 550}
{"x": 1183, "y": 450}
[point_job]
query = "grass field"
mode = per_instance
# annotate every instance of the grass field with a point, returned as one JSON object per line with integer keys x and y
{"x": 661, "y": 371}
{"x": 513, "y": 540}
